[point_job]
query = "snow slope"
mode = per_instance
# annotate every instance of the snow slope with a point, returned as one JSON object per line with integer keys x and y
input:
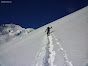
{"x": 66, "y": 46}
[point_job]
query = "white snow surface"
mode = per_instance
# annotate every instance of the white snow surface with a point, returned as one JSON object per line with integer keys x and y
{"x": 46, "y": 55}
{"x": 10, "y": 31}
{"x": 66, "y": 46}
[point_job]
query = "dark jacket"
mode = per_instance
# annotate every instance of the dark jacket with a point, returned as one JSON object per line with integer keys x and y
{"x": 48, "y": 30}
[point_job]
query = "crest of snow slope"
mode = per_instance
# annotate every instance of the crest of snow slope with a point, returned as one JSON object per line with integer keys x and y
{"x": 67, "y": 45}
{"x": 10, "y": 31}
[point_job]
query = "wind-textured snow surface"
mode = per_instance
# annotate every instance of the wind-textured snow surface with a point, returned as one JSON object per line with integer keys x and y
{"x": 67, "y": 45}
{"x": 10, "y": 31}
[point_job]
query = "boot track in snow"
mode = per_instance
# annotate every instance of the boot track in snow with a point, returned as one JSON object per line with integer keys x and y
{"x": 66, "y": 60}
{"x": 46, "y": 54}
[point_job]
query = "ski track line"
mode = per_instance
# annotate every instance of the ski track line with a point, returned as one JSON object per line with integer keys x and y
{"x": 52, "y": 53}
{"x": 67, "y": 62}
{"x": 45, "y": 57}
{"x": 41, "y": 53}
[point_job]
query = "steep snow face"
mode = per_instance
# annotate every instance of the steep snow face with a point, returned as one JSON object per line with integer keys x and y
{"x": 9, "y": 31}
{"x": 66, "y": 46}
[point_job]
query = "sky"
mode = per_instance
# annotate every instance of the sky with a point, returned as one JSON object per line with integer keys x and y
{"x": 37, "y": 13}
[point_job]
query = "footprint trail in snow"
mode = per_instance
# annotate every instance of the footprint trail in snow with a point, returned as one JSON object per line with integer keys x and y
{"x": 46, "y": 54}
{"x": 66, "y": 60}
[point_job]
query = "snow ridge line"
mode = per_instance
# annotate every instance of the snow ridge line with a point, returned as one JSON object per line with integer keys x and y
{"x": 67, "y": 62}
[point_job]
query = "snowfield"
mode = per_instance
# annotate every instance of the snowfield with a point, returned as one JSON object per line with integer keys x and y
{"x": 66, "y": 46}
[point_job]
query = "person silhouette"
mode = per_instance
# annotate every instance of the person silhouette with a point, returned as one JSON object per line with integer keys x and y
{"x": 48, "y": 31}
